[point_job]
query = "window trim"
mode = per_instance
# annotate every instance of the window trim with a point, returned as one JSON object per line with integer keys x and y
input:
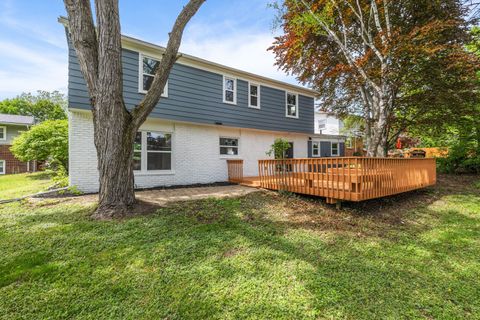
{"x": 141, "y": 74}
{"x": 4, "y": 129}
{"x": 250, "y": 95}
{"x": 144, "y": 156}
{"x": 338, "y": 149}
{"x": 228, "y": 156}
{"x": 4, "y": 166}
{"x": 234, "y": 102}
{"x": 319, "y": 149}
{"x": 286, "y": 105}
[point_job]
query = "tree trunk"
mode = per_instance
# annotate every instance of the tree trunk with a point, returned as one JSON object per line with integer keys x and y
{"x": 114, "y": 144}
{"x": 376, "y": 133}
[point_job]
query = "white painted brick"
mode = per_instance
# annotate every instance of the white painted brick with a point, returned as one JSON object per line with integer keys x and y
{"x": 195, "y": 154}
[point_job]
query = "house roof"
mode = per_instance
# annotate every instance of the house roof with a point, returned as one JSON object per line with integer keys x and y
{"x": 16, "y": 119}
{"x": 155, "y": 51}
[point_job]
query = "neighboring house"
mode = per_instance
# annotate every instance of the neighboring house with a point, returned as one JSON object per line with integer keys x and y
{"x": 208, "y": 113}
{"x": 327, "y": 123}
{"x": 10, "y": 127}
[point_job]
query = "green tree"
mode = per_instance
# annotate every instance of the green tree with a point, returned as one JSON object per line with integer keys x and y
{"x": 395, "y": 63}
{"x": 42, "y": 106}
{"x": 46, "y": 141}
{"x": 279, "y": 148}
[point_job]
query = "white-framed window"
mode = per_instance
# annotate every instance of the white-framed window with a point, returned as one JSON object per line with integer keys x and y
{"x": 335, "y": 149}
{"x": 3, "y": 133}
{"x": 147, "y": 68}
{"x": 229, "y": 146}
{"x": 322, "y": 124}
{"x": 2, "y": 167}
{"x": 152, "y": 151}
{"x": 315, "y": 148}
{"x": 253, "y": 95}
{"x": 291, "y": 105}
{"x": 229, "y": 90}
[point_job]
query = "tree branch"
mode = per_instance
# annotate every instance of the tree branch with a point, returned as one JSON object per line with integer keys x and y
{"x": 141, "y": 112}
{"x": 84, "y": 39}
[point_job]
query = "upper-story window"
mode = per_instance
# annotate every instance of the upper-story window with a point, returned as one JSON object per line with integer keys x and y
{"x": 148, "y": 68}
{"x": 334, "y": 149}
{"x": 291, "y": 105}
{"x": 229, "y": 90}
{"x": 254, "y": 95}
{"x": 3, "y": 133}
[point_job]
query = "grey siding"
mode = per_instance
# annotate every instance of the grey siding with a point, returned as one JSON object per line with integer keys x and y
{"x": 12, "y": 132}
{"x": 195, "y": 95}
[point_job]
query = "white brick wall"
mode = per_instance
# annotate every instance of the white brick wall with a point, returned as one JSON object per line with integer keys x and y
{"x": 195, "y": 154}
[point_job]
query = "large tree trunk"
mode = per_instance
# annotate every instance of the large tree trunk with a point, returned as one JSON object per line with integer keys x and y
{"x": 99, "y": 54}
{"x": 376, "y": 133}
{"x": 114, "y": 144}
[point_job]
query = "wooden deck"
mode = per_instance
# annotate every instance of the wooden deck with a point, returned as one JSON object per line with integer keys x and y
{"x": 348, "y": 178}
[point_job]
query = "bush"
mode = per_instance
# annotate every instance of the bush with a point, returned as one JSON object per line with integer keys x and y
{"x": 47, "y": 141}
{"x": 461, "y": 159}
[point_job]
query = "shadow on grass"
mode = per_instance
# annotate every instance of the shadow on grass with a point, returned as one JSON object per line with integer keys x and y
{"x": 260, "y": 255}
{"x": 39, "y": 176}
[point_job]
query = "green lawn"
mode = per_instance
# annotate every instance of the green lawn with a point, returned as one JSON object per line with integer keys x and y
{"x": 258, "y": 256}
{"x": 17, "y": 185}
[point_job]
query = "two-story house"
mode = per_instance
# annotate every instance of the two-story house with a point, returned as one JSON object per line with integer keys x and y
{"x": 208, "y": 113}
{"x": 10, "y": 127}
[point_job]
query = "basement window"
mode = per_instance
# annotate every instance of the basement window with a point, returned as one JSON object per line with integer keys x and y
{"x": 228, "y": 146}
{"x": 148, "y": 67}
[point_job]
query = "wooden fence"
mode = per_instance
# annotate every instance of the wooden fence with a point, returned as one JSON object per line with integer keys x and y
{"x": 348, "y": 178}
{"x": 235, "y": 170}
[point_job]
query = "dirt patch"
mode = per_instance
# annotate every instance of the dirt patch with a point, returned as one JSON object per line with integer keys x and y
{"x": 369, "y": 218}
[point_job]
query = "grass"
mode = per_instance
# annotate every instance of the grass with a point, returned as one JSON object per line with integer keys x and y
{"x": 258, "y": 256}
{"x": 17, "y": 185}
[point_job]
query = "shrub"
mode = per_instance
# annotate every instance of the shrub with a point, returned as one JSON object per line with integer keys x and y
{"x": 47, "y": 141}
{"x": 461, "y": 158}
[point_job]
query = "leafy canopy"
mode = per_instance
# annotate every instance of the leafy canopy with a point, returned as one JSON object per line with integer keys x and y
{"x": 42, "y": 106}
{"x": 46, "y": 141}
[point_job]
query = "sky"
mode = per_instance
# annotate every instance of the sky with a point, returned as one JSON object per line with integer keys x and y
{"x": 33, "y": 49}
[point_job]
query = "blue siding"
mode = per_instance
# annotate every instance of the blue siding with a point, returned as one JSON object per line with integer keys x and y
{"x": 195, "y": 95}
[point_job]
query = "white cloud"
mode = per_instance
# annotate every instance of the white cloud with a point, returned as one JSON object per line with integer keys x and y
{"x": 29, "y": 70}
{"x": 245, "y": 49}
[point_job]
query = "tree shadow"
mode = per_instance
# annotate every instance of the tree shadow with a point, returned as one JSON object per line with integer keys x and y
{"x": 257, "y": 255}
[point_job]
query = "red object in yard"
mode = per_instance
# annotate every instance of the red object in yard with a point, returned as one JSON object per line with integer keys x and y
{"x": 398, "y": 145}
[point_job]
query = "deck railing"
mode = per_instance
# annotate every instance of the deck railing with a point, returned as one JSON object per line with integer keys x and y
{"x": 348, "y": 178}
{"x": 235, "y": 170}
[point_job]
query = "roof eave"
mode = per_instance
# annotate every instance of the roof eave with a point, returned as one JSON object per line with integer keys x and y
{"x": 135, "y": 43}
